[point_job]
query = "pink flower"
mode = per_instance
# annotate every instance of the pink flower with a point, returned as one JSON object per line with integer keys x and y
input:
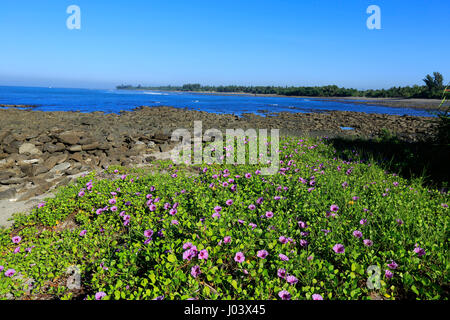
{"x": 16, "y": 239}
{"x": 284, "y": 295}
{"x": 83, "y": 233}
{"x": 281, "y": 273}
{"x": 334, "y": 208}
{"x": 316, "y": 296}
{"x": 357, "y": 234}
{"x": 262, "y": 254}
{"x": 100, "y": 295}
{"x": 227, "y": 239}
{"x": 239, "y": 257}
{"x": 203, "y": 254}
{"x": 339, "y": 248}
{"x": 388, "y": 274}
{"x": 269, "y": 214}
{"x": 195, "y": 271}
{"x": 10, "y": 272}
{"x": 368, "y": 242}
{"x": 283, "y": 257}
{"x": 291, "y": 279}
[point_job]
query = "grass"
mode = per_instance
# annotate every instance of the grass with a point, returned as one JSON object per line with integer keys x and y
{"x": 107, "y": 229}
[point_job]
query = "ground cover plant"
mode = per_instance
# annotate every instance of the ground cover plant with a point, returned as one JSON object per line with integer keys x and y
{"x": 311, "y": 231}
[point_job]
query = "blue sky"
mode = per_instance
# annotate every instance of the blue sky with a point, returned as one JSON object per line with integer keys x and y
{"x": 248, "y": 42}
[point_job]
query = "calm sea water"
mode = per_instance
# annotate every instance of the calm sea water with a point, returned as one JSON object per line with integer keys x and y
{"x": 114, "y": 101}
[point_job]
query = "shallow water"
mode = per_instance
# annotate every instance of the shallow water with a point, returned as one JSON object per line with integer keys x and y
{"x": 114, "y": 101}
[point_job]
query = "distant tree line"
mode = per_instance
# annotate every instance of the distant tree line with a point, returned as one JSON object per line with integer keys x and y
{"x": 434, "y": 85}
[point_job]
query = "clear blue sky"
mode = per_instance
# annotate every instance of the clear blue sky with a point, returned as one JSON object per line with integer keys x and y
{"x": 249, "y": 42}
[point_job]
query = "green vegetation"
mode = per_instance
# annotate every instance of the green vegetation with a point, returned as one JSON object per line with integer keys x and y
{"x": 432, "y": 89}
{"x": 312, "y": 229}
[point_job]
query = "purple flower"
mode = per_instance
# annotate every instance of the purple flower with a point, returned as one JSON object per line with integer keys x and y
{"x": 10, "y": 272}
{"x": 302, "y": 224}
{"x": 334, "y": 208}
{"x": 339, "y": 248}
{"x": 41, "y": 205}
{"x": 187, "y": 245}
{"x": 248, "y": 175}
{"x": 227, "y": 239}
{"x": 203, "y": 254}
{"x": 195, "y": 271}
{"x": 173, "y": 212}
{"x": 262, "y": 254}
{"x": 284, "y": 295}
{"x": 252, "y": 207}
{"x": 260, "y": 200}
{"x": 175, "y": 222}
{"x": 388, "y": 274}
{"x": 368, "y": 242}
{"x": 420, "y": 251}
{"x": 112, "y": 201}
{"x": 16, "y": 239}
{"x": 217, "y": 209}
{"x": 399, "y": 222}
{"x": 83, "y": 233}
{"x": 357, "y": 234}
{"x": 239, "y": 257}
{"x": 281, "y": 273}
{"x": 291, "y": 279}
{"x": 269, "y": 214}
{"x": 363, "y": 221}
{"x": 113, "y": 208}
{"x": 283, "y": 257}
{"x": 189, "y": 254}
{"x": 283, "y": 239}
{"x": 216, "y": 215}
{"x": 316, "y": 296}
{"x": 81, "y": 193}
{"x": 100, "y": 295}
{"x": 393, "y": 265}
{"x": 303, "y": 242}
{"x": 229, "y": 202}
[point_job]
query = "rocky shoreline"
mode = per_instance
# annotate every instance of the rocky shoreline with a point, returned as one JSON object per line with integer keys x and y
{"x": 40, "y": 151}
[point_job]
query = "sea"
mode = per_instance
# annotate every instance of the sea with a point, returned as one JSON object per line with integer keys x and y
{"x": 114, "y": 101}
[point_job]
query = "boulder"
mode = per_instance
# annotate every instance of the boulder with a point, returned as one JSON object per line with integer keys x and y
{"x": 29, "y": 148}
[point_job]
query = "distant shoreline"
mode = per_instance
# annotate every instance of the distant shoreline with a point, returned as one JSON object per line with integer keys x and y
{"x": 412, "y": 103}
